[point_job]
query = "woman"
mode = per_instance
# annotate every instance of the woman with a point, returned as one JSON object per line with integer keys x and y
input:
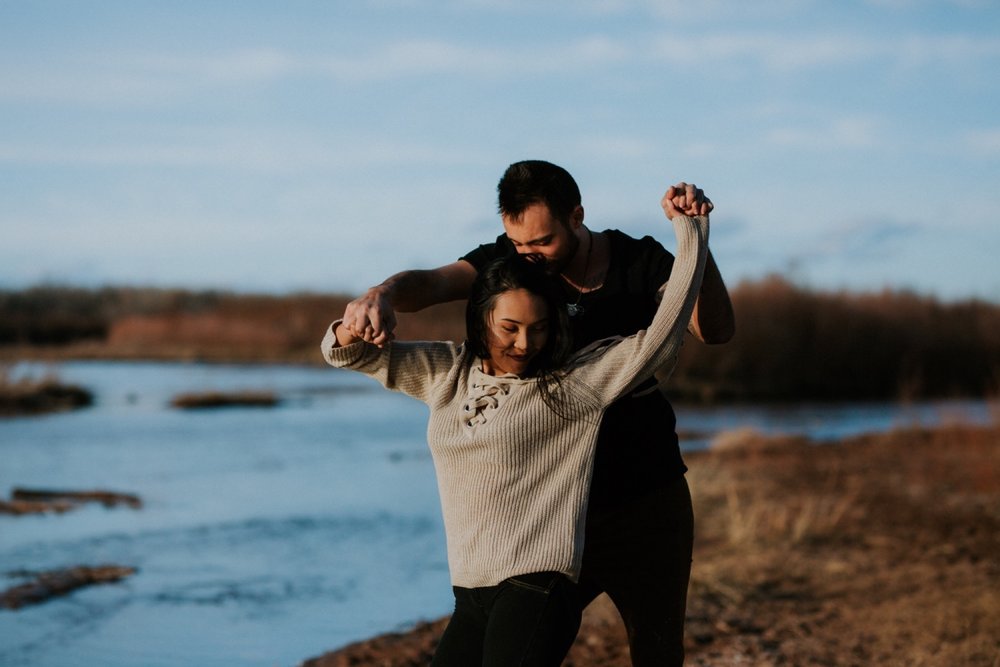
{"x": 512, "y": 429}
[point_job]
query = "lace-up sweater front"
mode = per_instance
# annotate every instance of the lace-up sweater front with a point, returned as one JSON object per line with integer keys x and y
{"x": 513, "y": 475}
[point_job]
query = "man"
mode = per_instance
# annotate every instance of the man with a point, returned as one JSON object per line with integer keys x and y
{"x": 639, "y": 525}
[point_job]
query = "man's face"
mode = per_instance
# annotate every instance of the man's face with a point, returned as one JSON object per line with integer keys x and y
{"x": 539, "y": 235}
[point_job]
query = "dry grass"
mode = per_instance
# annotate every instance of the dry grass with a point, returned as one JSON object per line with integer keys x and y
{"x": 880, "y": 550}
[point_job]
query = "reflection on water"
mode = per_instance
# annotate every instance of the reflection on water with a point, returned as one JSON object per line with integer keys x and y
{"x": 267, "y": 535}
{"x": 823, "y": 422}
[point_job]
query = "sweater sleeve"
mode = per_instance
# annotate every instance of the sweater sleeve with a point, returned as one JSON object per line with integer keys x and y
{"x": 624, "y": 364}
{"x": 412, "y": 368}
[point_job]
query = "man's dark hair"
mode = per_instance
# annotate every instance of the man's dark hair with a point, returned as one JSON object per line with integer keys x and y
{"x": 536, "y": 181}
{"x": 515, "y": 272}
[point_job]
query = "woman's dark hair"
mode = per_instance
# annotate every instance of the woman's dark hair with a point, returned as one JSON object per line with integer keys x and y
{"x": 537, "y": 182}
{"x": 511, "y": 273}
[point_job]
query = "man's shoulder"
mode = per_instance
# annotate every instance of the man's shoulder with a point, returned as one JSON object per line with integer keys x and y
{"x": 623, "y": 244}
{"x": 486, "y": 252}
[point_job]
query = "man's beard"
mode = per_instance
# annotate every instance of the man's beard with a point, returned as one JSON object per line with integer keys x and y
{"x": 555, "y": 267}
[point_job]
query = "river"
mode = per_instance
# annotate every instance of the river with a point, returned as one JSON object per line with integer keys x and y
{"x": 267, "y": 535}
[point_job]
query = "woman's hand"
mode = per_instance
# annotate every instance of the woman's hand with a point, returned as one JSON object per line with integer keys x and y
{"x": 344, "y": 335}
{"x": 686, "y": 199}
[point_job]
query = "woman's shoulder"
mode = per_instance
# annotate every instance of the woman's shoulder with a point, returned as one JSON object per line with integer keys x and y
{"x": 591, "y": 353}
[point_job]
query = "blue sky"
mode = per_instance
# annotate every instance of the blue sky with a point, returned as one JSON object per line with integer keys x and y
{"x": 277, "y": 146}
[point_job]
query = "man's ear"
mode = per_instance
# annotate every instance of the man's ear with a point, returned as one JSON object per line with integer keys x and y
{"x": 576, "y": 217}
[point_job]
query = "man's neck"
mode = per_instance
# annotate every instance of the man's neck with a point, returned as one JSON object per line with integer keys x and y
{"x": 587, "y": 268}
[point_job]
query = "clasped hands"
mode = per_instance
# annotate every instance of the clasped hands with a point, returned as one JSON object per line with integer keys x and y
{"x": 686, "y": 199}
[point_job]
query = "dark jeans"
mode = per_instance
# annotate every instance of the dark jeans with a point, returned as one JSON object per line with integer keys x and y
{"x": 640, "y": 555}
{"x": 528, "y": 620}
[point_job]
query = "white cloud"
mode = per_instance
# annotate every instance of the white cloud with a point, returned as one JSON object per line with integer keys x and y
{"x": 772, "y": 50}
{"x": 854, "y": 133}
{"x": 127, "y": 79}
{"x": 240, "y": 150}
{"x": 234, "y": 67}
{"x": 984, "y": 142}
{"x": 675, "y": 11}
{"x": 783, "y": 52}
{"x": 915, "y": 5}
{"x": 123, "y": 79}
{"x": 432, "y": 57}
{"x": 872, "y": 239}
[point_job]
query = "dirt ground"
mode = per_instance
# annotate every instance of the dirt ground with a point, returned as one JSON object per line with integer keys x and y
{"x": 878, "y": 550}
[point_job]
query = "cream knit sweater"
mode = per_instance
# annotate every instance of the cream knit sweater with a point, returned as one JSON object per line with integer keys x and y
{"x": 513, "y": 476}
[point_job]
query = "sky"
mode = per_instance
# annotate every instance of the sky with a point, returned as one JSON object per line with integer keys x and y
{"x": 324, "y": 145}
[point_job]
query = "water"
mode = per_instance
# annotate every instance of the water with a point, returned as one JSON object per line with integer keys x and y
{"x": 267, "y": 536}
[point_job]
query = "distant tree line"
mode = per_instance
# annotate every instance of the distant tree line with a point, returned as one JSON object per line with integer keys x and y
{"x": 792, "y": 343}
{"x": 57, "y": 315}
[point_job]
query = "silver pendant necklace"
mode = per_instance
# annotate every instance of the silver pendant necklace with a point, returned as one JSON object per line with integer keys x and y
{"x": 575, "y": 308}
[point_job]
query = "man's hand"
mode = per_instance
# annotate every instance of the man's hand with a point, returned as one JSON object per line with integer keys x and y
{"x": 686, "y": 199}
{"x": 371, "y": 317}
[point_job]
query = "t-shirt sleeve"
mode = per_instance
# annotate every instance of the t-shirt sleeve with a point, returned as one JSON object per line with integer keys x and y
{"x": 655, "y": 266}
{"x": 488, "y": 252}
{"x": 654, "y": 263}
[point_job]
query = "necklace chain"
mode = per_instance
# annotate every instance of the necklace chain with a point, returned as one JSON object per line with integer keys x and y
{"x": 575, "y": 308}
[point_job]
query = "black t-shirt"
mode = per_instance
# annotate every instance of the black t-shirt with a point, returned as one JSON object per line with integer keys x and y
{"x": 637, "y": 448}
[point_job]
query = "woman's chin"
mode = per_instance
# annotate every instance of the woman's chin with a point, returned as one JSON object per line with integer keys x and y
{"x": 518, "y": 366}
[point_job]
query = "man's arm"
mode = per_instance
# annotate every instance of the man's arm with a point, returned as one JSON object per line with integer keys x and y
{"x": 372, "y": 316}
{"x": 713, "y": 321}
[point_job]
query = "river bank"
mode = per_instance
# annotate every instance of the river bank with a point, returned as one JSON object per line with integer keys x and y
{"x": 882, "y": 550}
{"x": 39, "y": 396}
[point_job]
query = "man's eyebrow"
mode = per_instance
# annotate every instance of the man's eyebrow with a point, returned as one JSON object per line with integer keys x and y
{"x": 540, "y": 240}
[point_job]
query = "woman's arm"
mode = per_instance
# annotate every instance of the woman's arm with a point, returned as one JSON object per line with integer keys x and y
{"x": 410, "y": 367}
{"x": 631, "y": 360}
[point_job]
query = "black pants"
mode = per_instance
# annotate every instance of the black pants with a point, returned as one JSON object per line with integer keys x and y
{"x": 528, "y": 620}
{"x": 640, "y": 555}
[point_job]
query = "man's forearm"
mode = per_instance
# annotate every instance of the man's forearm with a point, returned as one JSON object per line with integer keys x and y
{"x": 410, "y": 291}
{"x": 713, "y": 320}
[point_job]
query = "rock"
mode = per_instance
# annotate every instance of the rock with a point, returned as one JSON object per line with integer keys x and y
{"x": 53, "y": 583}
{"x": 38, "y": 501}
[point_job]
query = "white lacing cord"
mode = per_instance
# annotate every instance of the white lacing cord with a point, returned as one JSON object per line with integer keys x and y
{"x": 476, "y": 407}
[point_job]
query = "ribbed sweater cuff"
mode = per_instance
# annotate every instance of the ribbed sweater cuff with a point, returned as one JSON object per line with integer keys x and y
{"x": 336, "y": 354}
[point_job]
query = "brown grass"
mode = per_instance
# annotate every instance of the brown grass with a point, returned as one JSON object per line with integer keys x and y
{"x": 882, "y": 550}
{"x": 879, "y": 550}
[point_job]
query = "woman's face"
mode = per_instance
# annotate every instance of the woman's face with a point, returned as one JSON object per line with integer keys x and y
{"x": 517, "y": 330}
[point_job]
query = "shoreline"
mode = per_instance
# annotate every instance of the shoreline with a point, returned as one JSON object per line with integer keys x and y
{"x": 884, "y": 550}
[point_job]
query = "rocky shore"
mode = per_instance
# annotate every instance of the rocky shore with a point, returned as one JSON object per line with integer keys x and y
{"x": 879, "y": 550}
{"x": 35, "y": 397}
